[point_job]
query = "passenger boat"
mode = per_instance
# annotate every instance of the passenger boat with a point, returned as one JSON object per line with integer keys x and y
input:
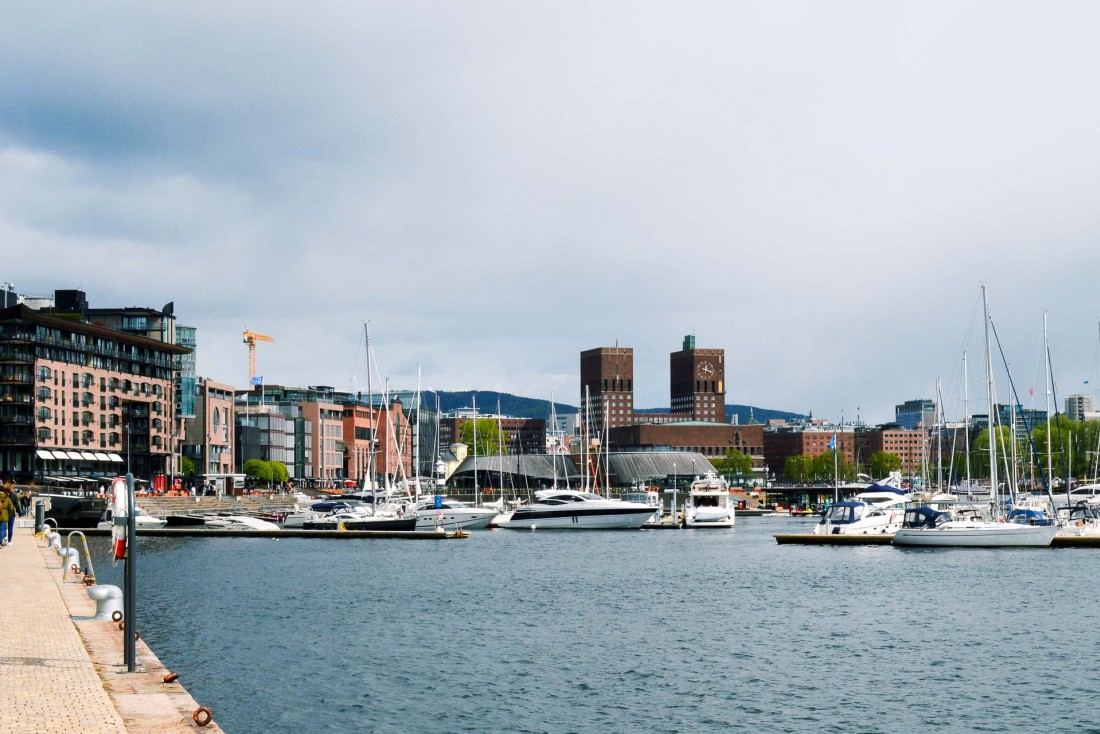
{"x": 708, "y": 503}
{"x": 571, "y": 509}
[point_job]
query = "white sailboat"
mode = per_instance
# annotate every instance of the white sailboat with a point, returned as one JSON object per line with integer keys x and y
{"x": 928, "y": 527}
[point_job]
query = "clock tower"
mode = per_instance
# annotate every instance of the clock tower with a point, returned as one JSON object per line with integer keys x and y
{"x": 698, "y": 382}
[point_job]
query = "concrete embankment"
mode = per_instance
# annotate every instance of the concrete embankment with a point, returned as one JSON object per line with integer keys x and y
{"x": 62, "y": 671}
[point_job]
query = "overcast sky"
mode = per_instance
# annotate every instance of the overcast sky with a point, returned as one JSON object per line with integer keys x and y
{"x": 820, "y": 189}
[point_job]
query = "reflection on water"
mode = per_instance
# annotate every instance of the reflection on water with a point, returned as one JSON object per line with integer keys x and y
{"x": 648, "y": 631}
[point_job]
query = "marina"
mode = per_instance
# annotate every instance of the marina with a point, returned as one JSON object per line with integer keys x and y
{"x": 279, "y": 615}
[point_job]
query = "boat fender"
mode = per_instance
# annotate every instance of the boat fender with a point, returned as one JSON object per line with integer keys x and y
{"x": 202, "y": 716}
{"x": 171, "y": 677}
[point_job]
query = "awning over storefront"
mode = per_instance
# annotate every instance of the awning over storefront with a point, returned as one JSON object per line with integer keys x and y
{"x": 101, "y": 457}
{"x": 43, "y": 454}
{"x": 88, "y": 456}
{"x": 75, "y": 455}
{"x": 115, "y": 458}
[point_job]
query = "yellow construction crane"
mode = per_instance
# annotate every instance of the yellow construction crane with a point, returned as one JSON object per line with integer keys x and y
{"x": 250, "y": 338}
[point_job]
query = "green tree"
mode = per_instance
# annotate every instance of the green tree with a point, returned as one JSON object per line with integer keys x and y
{"x": 490, "y": 439}
{"x": 1070, "y": 441}
{"x": 797, "y": 469}
{"x": 883, "y": 462}
{"x": 279, "y": 474}
{"x": 187, "y": 467}
{"x": 979, "y": 455}
{"x": 734, "y": 462}
{"x": 823, "y": 467}
{"x": 257, "y": 470}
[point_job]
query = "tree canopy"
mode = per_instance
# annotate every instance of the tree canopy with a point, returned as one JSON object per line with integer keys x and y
{"x": 490, "y": 439}
{"x": 734, "y": 462}
{"x": 883, "y": 462}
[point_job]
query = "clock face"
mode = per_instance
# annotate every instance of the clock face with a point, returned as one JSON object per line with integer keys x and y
{"x": 705, "y": 371}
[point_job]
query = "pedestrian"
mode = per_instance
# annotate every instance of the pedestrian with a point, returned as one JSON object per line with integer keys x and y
{"x": 7, "y": 517}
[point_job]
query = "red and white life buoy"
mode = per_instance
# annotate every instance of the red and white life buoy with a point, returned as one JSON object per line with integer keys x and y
{"x": 119, "y": 509}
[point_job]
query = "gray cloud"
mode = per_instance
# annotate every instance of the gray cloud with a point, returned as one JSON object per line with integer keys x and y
{"x": 819, "y": 190}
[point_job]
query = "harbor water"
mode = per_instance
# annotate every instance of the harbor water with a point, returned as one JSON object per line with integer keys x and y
{"x": 636, "y": 631}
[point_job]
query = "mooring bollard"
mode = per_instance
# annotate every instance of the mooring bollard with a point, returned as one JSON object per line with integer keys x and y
{"x": 108, "y": 600}
{"x": 53, "y": 539}
{"x": 70, "y": 558}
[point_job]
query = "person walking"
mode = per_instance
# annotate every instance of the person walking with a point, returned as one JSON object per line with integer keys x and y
{"x": 7, "y": 517}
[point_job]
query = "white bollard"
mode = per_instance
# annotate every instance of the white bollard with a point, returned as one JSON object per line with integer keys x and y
{"x": 53, "y": 539}
{"x": 108, "y": 600}
{"x": 69, "y": 557}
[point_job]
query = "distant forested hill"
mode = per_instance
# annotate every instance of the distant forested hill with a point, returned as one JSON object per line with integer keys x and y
{"x": 487, "y": 403}
{"x": 534, "y": 408}
{"x": 743, "y": 413}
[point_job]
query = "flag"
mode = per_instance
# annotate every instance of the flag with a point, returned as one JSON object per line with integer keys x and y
{"x": 258, "y": 380}
{"x": 832, "y": 442}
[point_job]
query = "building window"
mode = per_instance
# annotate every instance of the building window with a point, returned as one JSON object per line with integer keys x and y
{"x": 44, "y": 393}
{"x": 44, "y": 373}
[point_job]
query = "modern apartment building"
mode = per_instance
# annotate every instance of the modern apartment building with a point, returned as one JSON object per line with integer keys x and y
{"x": 1082, "y": 408}
{"x": 915, "y": 413}
{"x": 209, "y": 438}
{"x": 76, "y": 398}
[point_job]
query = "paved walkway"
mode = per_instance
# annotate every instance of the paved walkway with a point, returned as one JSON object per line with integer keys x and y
{"x": 63, "y": 672}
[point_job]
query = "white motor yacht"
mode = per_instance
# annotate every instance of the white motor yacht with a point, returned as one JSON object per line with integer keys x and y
{"x": 142, "y": 519}
{"x": 238, "y": 522}
{"x": 708, "y": 503}
{"x": 878, "y": 510}
{"x": 646, "y": 495}
{"x": 448, "y": 513}
{"x": 571, "y": 509}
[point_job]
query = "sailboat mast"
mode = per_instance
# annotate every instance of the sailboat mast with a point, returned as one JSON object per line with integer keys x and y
{"x": 966, "y": 419}
{"x": 416, "y": 439}
{"x": 939, "y": 435}
{"x": 500, "y": 454}
{"x": 370, "y": 413}
{"x": 554, "y": 446}
{"x": 1046, "y": 375}
{"x": 477, "y": 490}
{"x": 989, "y": 395}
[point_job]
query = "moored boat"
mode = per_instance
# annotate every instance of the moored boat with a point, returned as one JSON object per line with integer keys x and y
{"x": 571, "y": 509}
{"x": 708, "y": 503}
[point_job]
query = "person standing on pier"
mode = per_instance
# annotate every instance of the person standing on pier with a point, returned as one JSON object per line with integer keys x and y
{"x": 7, "y": 516}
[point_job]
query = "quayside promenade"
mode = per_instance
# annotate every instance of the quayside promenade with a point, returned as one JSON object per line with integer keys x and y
{"x": 63, "y": 672}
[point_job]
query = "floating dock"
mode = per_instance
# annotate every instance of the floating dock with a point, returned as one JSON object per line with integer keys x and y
{"x": 811, "y": 539}
{"x": 201, "y": 532}
{"x": 1060, "y": 541}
